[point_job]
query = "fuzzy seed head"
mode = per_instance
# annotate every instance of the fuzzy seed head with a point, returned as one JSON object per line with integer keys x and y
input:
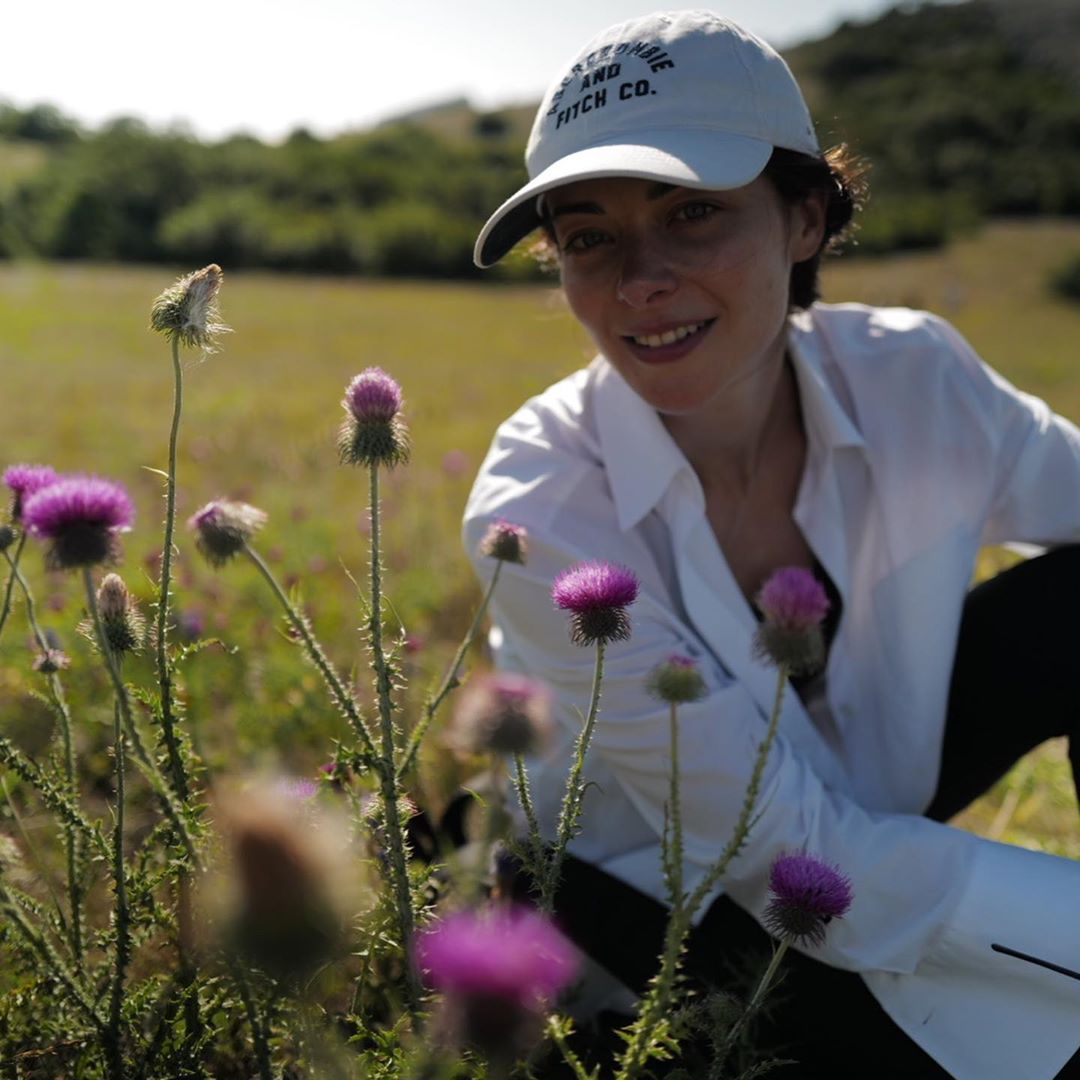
{"x": 597, "y": 595}
{"x": 502, "y": 713}
{"x": 807, "y": 893}
{"x": 677, "y": 681}
{"x": 187, "y": 310}
{"x": 23, "y": 481}
{"x": 506, "y": 542}
{"x": 223, "y": 527}
{"x": 794, "y": 605}
{"x": 80, "y": 517}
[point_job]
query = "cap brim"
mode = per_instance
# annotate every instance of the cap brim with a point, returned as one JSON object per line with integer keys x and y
{"x": 691, "y": 158}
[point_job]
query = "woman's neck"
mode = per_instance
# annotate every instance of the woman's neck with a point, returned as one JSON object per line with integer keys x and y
{"x": 727, "y": 442}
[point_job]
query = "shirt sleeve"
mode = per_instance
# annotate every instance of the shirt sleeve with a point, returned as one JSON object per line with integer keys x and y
{"x": 1035, "y": 454}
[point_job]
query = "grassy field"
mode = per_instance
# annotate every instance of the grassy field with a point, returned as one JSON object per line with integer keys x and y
{"x": 85, "y": 386}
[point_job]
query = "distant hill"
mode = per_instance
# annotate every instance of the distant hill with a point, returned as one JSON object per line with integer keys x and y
{"x": 964, "y": 110}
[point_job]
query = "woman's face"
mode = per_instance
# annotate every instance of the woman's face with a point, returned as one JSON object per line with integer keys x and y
{"x": 684, "y": 291}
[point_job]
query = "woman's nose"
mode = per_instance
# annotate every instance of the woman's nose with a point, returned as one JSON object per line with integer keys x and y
{"x": 646, "y": 274}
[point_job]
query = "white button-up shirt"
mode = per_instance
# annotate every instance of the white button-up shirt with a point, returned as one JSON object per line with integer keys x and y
{"x": 918, "y": 453}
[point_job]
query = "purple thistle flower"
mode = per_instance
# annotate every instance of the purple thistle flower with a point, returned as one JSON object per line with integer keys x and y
{"x": 597, "y": 595}
{"x": 373, "y": 432}
{"x": 24, "y": 480}
{"x": 677, "y": 681}
{"x": 373, "y": 395}
{"x": 794, "y": 605}
{"x": 502, "y": 713}
{"x": 222, "y": 528}
{"x": 807, "y": 894}
{"x": 80, "y": 516}
{"x": 506, "y": 542}
{"x": 512, "y": 953}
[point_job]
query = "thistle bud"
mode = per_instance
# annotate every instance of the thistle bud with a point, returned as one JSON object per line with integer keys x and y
{"x": 373, "y": 432}
{"x": 222, "y": 528}
{"x": 51, "y": 661}
{"x": 794, "y": 605}
{"x": 187, "y": 310}
{"x": 677, "y": 681}
{"x": 505, "y": 542}
{"x": 7, "y": 537}
{"x": 504, "y": 713}
{"x": 121, "y": 621}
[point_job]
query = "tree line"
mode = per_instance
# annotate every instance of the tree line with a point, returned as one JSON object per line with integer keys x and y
{"x": 959, "y": 116}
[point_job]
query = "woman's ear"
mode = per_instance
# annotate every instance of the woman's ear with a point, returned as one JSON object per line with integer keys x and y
{"x": 807, "y": 227}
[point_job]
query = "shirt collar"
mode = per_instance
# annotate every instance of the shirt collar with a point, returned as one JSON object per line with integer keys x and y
{"x": 641, "y": 458}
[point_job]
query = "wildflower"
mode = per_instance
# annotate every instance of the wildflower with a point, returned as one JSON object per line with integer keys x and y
{"x": 187, "y": 310}
{"x": 497, "y": 969}
{"x": 23, "y": 481}
{"x": 222, "y": 529}
{"x": 807, "y": 893}
{"x": 506, "y": 542}
{"x": 51, "y": 661}
{"x": 502, "y": 713}
{"x": 120, "y": 617}
{"x": 80, "y": 517}
{"x": 597, "y": 595}
{"x": 794, "y": 605}
{"x": 373, "y": 432}
{"x": 677, "y": 681}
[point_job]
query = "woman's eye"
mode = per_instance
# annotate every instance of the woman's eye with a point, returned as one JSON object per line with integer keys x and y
{"x": 583, "y": 241}
{"x": 695, "y": 211}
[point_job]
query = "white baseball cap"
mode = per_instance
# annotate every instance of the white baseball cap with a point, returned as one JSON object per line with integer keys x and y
{"x": 683, "y": 97}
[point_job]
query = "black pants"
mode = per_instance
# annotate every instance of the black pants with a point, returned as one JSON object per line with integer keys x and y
{"x": 1013, "y": 687}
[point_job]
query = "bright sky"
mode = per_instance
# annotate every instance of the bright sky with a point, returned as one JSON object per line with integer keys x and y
{"x": 268, "y": 66}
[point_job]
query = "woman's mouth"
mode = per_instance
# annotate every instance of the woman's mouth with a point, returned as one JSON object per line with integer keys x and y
{"x": 669, "y": 344}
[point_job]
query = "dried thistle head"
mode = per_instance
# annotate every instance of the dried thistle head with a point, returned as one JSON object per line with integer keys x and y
{"x": 187, "y": 310}
{"x": 222, "y": 528}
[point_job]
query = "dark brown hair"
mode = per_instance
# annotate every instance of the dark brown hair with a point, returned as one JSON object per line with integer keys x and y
{"x": 841, "y": 178}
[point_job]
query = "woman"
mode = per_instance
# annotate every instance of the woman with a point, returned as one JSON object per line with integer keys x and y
{"x": 730, "y": 426}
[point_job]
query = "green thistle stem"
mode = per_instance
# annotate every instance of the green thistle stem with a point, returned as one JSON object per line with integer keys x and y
{"x": 654, "y": 1005}
{"x": 146, "y": 763}
{"x": 534, "y": 850}
{"x": 63, "y": 712}
{"x": 342, "y": 697}
{"x": 675, "y": 853}
{"x": 399, "y": 870}
{"x": 258, "y": 1035}
{"x": 570, "y": 813}
{"x": 164, "y": 669}
{"x": 41, "y": 945}
{"x": 121, "y": 915}
{"x": 451, "y": 680}
{"x": 736, "y": 1029}
{"x": 555, "y": 1030}
{"x": 13, "y": 562}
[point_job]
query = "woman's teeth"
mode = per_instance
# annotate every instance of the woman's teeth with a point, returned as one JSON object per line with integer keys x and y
{"x": 668, "y": 337}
